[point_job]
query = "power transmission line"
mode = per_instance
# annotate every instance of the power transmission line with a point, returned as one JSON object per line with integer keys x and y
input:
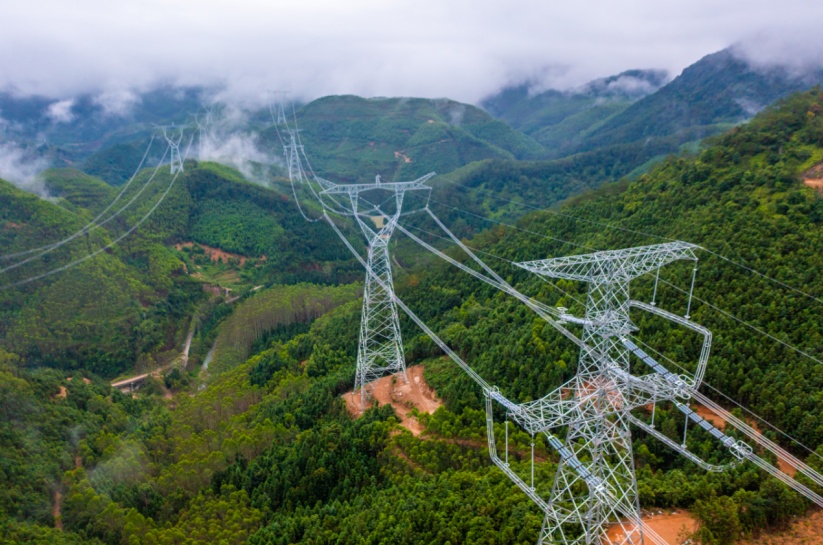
{"x": 89, "y": 225}
{"x": 724, "y": 312}
{"x": 107, "y": 246}
{"x": 572, "y": 217}
{"x": 594, "y": 408}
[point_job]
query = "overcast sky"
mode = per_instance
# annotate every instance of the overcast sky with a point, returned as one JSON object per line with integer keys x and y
{"x": 462, "y": 49}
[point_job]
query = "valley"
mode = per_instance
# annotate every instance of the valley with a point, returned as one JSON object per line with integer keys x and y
{"x": 193, "y": 383}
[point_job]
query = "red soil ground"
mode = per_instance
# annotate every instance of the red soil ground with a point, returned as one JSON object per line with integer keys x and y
{"x": 707, "y": 414}
{"x": 393, "y": 390}
{"x": 671, "y": 526}
{"x": 215, "y": 254}
{"x": 814, "y": 177}
{"x": 398, "y": 155}
{"x": 816, "y": 183}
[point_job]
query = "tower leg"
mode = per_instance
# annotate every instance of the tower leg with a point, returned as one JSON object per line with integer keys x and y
{"x": 579, "y": 515}
{"x": 380, "y": 349}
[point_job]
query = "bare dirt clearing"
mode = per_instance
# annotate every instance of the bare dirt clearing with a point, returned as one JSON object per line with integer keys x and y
{"x": 814, "y": 177}
{"x": 816, "y": 183}
{"x": 668, "y": 525}
{"x": 56, "y": 511}
{"x": 707, "y": 414}
{"x": 400, "y": 155}
{"x": 393, "y": 390}
{"x": 215, "y": 254}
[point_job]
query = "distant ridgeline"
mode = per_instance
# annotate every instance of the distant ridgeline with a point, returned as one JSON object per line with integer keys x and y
{"x": 621, "y": 125}
{"x": 268, "y": 454}
{"x": 536, "y": 146}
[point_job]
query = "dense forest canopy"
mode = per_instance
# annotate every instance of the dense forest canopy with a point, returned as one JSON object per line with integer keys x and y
{"x": 261, "y": 449}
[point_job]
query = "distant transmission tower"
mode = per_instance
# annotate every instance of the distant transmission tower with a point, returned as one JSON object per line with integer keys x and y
{"x": 380, "y": 348}
{"x": 203, "y": 122}
{"x": 174, "y": 139}
{"x": 293, "y": 150}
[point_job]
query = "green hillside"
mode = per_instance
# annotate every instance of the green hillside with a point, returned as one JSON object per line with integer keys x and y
{"x": 132, "y": 305}
{"x": 717, "y": 90}
{"x": 268, "y": 454}
{"x": 77, "y": 191}
{"x": 606, "y": 131}
{"x": 348, "y": 138}
{"x": 561, "y": 120}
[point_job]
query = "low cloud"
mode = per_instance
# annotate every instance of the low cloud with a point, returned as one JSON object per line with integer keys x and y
{"x": 631, "y": 85}
{"x": 794, "y": 49}
{"x": 224, "y": 137}
{"x": 127, "y": 465}
{"x": 61, "y": 111}
{"x": 117, "y": 102}
{"x": 22, "y": 167}
{"x": 749, "y": 106}
{"x": 454, "y": 110}
{"x": 461, "y": 50}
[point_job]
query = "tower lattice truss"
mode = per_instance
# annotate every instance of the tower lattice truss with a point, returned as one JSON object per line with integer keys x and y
{"x": 593, "y": 497}
{"x": 380, "y": 346}
{"x": 595, "y": 487}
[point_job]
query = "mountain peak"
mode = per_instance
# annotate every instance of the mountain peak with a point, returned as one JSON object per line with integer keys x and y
{"x": 631, "y": 84}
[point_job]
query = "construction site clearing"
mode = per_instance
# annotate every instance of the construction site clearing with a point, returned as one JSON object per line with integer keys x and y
{"x": 401, "y": 395}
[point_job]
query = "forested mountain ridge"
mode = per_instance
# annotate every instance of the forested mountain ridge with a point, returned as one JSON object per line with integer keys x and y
{"x": 595, "y": 139}
{"x": 402, "y": 138}
{"x": 133, "y": 303}
{"x": 268, "y": 454}
{"x": 709, "y": 96}
{"x": 720, "y": 89}
{"x": 560, "y": 119}
{"x": 349, "y": 135}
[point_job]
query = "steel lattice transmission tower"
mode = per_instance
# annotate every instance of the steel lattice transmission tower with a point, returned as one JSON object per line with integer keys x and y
{"x": 203, "y": 123}
{"x": 293, "y": 150}
{"x": 595, "y": 488}
{"x": 595, "y": 484}
{"x": 173, "y": 140}
{"x": 380, "y": 347}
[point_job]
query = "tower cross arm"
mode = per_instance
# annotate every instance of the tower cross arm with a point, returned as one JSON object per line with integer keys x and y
{"x": 612, "y": 265}
{"x": 562, "y": 407}
{"x": 351, "y": 189}
{"x": 548, "y": 412}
